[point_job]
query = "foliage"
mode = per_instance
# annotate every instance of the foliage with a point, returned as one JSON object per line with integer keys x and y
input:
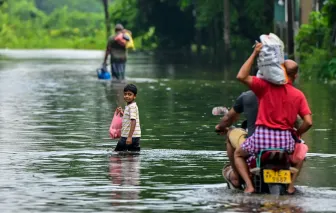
{"x": 330, "y": 69}
{"x": 164, "y": 24}
{"x": 312, "y": 35}
{"x": 173, "y": 26}
{"x": 316, "y": 45}
{"x": 25, "y": 26}
{"x": 54, "y": 24}
{"x": 184, "y": 23}
{"x": 49, "y": 6}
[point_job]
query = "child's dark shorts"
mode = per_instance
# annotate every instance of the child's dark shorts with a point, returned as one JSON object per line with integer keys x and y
{"x": 122, "y": 146}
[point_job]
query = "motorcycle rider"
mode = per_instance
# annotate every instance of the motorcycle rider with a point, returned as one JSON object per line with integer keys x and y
{"x": 246, "y": 103}
{"x": 278, "y": 110}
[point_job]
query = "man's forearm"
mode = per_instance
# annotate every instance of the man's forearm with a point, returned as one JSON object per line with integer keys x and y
{"x": 107, "y": 52}
{"x": 228, "y": 119}
{"x": 245, "y": 70}
{"x": 303, "y": 128}
{"x": 106, "y": 55}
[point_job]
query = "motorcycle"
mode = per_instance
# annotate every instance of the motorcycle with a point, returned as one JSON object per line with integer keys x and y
{"x": 270, "y": 170}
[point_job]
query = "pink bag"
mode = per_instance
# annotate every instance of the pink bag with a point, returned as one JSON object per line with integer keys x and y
{"x": 115, "y": 128}
{"x": 300, "y": 152}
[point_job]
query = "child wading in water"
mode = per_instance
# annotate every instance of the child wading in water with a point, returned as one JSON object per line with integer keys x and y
{"x": 130, "y": 131}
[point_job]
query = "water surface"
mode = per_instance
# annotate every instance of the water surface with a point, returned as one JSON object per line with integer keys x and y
{"x": 56, "y": 154}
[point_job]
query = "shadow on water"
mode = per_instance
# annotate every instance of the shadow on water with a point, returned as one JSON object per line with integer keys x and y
{"x": 56, "y": 154}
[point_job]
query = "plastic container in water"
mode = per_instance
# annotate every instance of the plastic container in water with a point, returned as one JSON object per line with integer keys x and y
{"x": 103, "y": 74}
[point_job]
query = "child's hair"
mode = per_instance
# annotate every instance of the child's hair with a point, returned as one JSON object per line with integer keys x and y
{"x": 131, "y": 87}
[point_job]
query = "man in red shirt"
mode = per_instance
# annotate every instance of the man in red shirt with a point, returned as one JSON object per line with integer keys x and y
{"x": 279, "y": 106}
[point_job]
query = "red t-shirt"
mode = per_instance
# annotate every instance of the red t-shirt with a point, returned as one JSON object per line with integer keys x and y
{"x": 279, "y": 105}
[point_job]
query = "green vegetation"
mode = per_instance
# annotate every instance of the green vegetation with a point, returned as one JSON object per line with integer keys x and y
{"x": 184, "y": 25}
{"x": 173, "y": 24}
{"x": 26, "y": 26}
{"x": 316, "y": 43}
{"x": 58, "y": 24}
{"x": 200, "y": 24}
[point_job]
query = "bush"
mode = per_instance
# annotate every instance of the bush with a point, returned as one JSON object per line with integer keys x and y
{"x": 23, "y": 25}
{"x": 314, "y": 43}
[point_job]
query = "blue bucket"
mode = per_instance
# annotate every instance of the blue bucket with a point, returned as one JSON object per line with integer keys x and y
{"x": 103, "y": 73}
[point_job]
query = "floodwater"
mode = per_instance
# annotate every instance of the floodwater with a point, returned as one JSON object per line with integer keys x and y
{"x": 56, "y": 154}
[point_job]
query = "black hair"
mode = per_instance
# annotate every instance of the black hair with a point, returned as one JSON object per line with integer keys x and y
{"x": 132, "y": 88}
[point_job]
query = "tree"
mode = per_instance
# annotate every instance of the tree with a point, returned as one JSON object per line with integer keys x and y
{"x": 290, "y": 30}
{"x": 226, "y": 32}
{"x": 315, "y": 42}
{"x": 107, "y": 18}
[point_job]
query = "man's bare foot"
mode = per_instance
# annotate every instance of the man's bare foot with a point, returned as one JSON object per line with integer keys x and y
{"x": 249, "y": 189}
{"x": 291, "y": 189}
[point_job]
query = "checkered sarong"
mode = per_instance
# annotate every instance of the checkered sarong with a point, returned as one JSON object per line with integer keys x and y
{"x": 266, "y": 138}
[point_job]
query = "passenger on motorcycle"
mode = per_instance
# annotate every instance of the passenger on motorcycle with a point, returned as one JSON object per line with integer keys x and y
{"x": 247, "y": 104}
{"x": 279, "y": 106}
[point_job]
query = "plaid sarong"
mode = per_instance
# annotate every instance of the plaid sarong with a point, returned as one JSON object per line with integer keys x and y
{"x": 266, "y": 138}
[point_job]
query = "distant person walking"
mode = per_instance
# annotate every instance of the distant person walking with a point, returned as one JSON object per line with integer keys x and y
{"x": 117, "y": 48}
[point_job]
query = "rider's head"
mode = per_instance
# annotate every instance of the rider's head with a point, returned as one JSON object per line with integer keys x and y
{"x": 118, "y": 28}
{"x": 292, "y": 69}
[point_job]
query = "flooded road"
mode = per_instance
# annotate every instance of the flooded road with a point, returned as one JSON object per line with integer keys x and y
{"x": 56, "y": 154}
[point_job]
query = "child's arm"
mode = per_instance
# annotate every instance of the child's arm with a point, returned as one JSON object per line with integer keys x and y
{"x": 130, "y": 134}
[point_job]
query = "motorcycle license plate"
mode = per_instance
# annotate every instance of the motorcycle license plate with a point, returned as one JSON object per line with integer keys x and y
{"x": 281, "y": 176}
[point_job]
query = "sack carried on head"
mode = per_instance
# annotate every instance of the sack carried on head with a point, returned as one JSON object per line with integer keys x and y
{"x": 271, "y": 60}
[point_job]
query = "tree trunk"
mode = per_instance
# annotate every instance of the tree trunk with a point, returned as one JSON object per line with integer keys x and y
{"x": 210, "y": 43}
{"x": 226, "y": 33}
{"x": 198, "y": 41}
{"x": 333, "y": 37}
{"x": 198, "y": 38}
{"x": 107, "y": 18}
{"x": 290, "y": 30}
{"x": 216, "y": 38}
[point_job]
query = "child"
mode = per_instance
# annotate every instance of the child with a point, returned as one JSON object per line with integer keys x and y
{"x": 130, "y": 131}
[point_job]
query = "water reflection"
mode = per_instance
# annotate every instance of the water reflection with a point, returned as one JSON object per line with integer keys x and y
{"x": 124, "y": 171}
{"x": 114, "y": 92}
